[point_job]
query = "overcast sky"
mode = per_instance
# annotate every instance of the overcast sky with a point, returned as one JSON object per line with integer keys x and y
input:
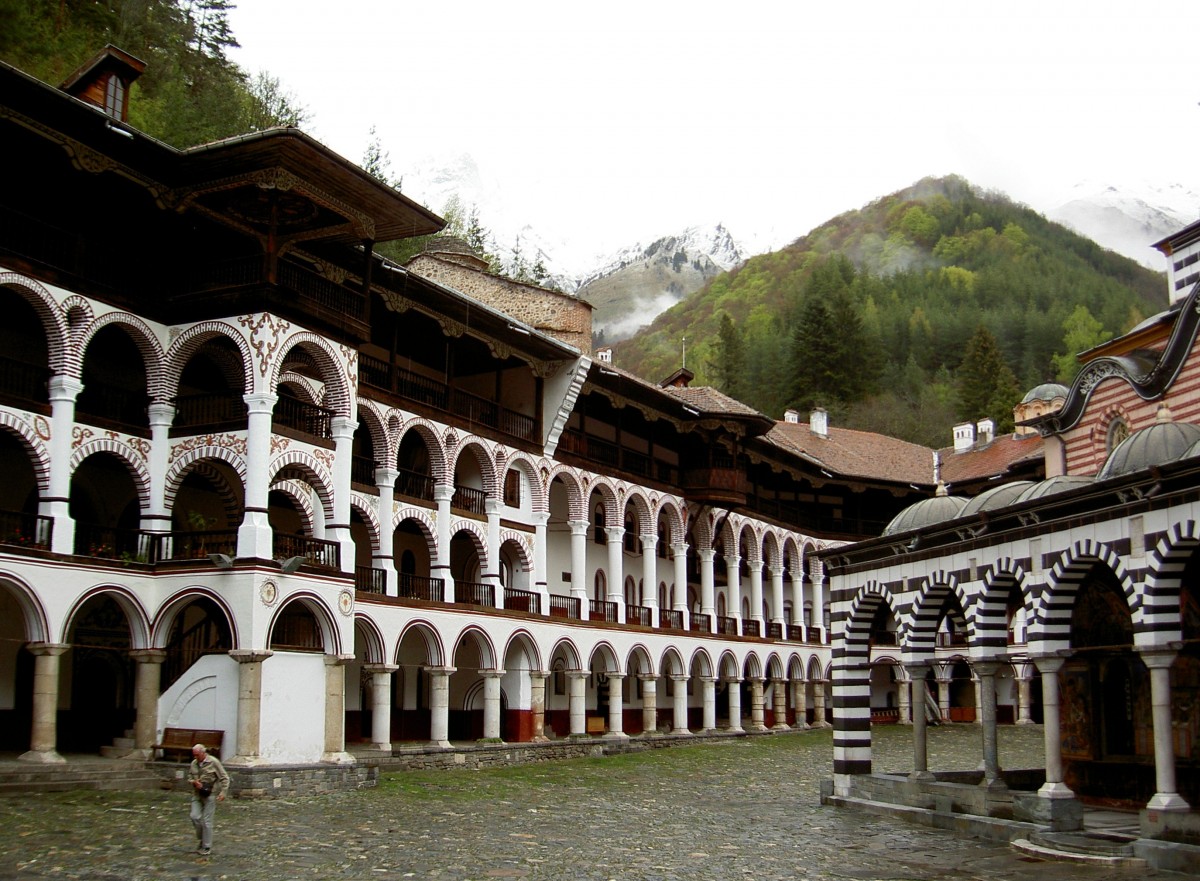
{"x": 611, "y": 121}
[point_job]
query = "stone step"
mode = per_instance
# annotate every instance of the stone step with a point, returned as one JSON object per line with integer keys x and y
{"x": 1105, "y": 843}
{"x": 116, "y": 751}
{"x": 68, "y": 782}
{"x": 1102, "y": 853}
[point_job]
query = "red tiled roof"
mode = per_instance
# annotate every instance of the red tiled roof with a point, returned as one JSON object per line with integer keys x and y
{"x": 708, "y": 400}
{"x": 998, "y": 457}
{"x": 849, "y": 453}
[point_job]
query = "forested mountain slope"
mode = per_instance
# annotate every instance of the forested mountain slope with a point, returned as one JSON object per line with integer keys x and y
{"x": 937, "y": 303}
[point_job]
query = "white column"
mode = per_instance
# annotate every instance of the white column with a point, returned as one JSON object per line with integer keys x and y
{"x": 57, "y": 503}
{"x": 680, "y": 603}
{"x": 537, "y": 705}
{"x": 733, "y": 589}
{"x": 817, "y": 621}
{"x": 649, "y": 704}
{"x": 779, "y": 692}
{"x": 797, "y": 581}
{"x": 335, "y": 710}
{"x": 491, "y": 703}
{"x": 577, "y": 697}
{"x": 255, "y": 539}
{"x": 819, "y": 720}
{"x": 381, "y": 704}
{"x": 902, "y": 699}
{"x": 342, "y": 428}
{"x": 679, "y": 710}
{"x": 756, "y": 705}
{"x": 710, "y": 703}
{"x": 1166, "y": 796}
{"x": 1054, "y": 787}
{"x": 986, "y": 671}
{"x": 616, "y": 707}
{"x": 707, "y": 594}
{"x": 493, "y": 507}
{"x": 43, "y": 736}
{"x": 756, "y": 595}
{"x": 149, "y": 669}
{"x": 616, "y": 567}
{"x": 440, "y": 567}
{"x": 650, "y": 575}
{"x": 1024, "y": 695}
{"x": 156, "y": 517}
{"x": 249, "y": 705}
{"x": 734, "y": 687}
{"x": 384, "y": 558}
{"x": 943, "y": 681}
{"x": 776, "y": 573}
{"x": 579, "y": 571}
{"x": 439, "y": 706}
{"x": 541, "y": 585}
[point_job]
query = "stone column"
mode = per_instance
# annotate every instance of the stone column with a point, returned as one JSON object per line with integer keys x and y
{"x": 801, "y": 702}
{"x": 679, "y": 719}
{"x": 756, "y": 595}
{"x": 440, "y": 566}
{"x": 1166, "y": 796}
{"x": 905, "y": 716}
{"x": 943, "y": 681}
{"x": 733, "y": 589}
{"x": 650, "y": 575}
{"x": 817, "y": 618}
{"x": 491, "y": 703}
{"x": 819, "y": 720}
{"x": 541, "y": 582}
{"x": 797, "y": 580}
{"x": 616, "y": 707}
{"x": 491, "y": 576}
{"x": 255, "y": 538}
{"x": 710, "y": 703}
{"x": 1054, "y": 787}
{"x": 381, "y": 704}
{"x": 156, "y": 517}
{"x": 335, "y": 710}
{"x": 735, "y": 704}
{"x": 920, "y": 770}
{"x": 57, "y": 502}
{"x": 707, "y": 593}
{"x": 342, "y": 429}
{"x": 616, "y": 568}
{"x": 649, "y": 704}
{"x": 249, "y": 705}
{"x": 579, "y": 572}
{"x": 43, "y": 735}
{"x": 776, "y": 573}
{"x": 987, "y": 673}
{"x": 577, "y": 698}
{"x": 384, "y": 558}
{"x": 680, "y": 605}
{"x": 439, "y": 706}
{"x": 145, "y": 730}
{"x": 779, "y": 692}
{"x": 1024, "y": 697}
{"x": 537, "y": 705}
{"x": 756, "y": 705}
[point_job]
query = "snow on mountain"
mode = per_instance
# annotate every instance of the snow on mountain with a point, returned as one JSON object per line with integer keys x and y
{"x": 1129, "y": 218}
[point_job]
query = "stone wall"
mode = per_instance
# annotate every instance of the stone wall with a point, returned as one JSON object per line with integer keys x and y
{"x": 285, "y": 781}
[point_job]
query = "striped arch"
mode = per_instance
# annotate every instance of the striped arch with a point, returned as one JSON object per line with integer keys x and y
{"x": 488, "y": 659}
{"x": 423, "y": 520}
{"x": 435, "y": 651}
{"x": 752, "y": 666}
{"x": 372, "y": 416}
{"x": 317, "y": 474}
{"x": 366, "y": 510}
{"x": 524, "y": 547}
{"x": 795, "y": 667}
{"x": 131, "y": 605}
{"x": 918, "y": 634}
{"x": 793, "y": 555}
{"x": 774, "y": 666}
{"x": 428, "y": 432}
{"x": 989, "y": 612}
{"x": 477, "y": 449}
{"x": 477, "y": 532}
{"x": 368, "y": 630}
{"x": 609, "y": 498}
{"x": 129, "y": 457}
{"x": 188, "y": 343}
{"x": 201, "y": 457}
{"x": 153, "y": 356}
{"x": 576, "y": 501}
{"x": 33, "y": 443}
{"x": 330, "y": 636}
{"x": 312, "y": 391}
{"x": 728, "y": 666}
{"x": 52, "y": 316}
{"x": 33, "y": 612}
{"x": 642, "y": 509}
{"x": 338, "y": 396}
{"x": 815, "y": 673}
{"x": 301, "y": 495}
{"x": 1050, "y": 626}
{"x": 1159, "y": 616}
{"x": 170, "y": 609}
{"x": 772, "y": 553}
{"x": 539, "y": 497}
{"x": 675, "y": 516}
{"x": 749, "y": 534}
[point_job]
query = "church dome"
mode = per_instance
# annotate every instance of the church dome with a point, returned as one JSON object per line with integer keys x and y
{"x": 1164, "y": 441}
{"x": 1047, "y": 391}
{"x": 1053, "y": 485}
{"x": 997, "y": 497}
{"x": 926, "y": 512}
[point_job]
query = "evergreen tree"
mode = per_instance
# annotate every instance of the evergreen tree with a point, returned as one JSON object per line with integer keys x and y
{"x": 812, "y": 379}
{"x": 728, "y": 364}
{"x": 987, "y": 386}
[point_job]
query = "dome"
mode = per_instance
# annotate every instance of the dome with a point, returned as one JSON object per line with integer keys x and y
{"x": 926, "y": 512}
{"x": 1164, "y": 441}
{"x": 997, "y": 497}
{"x": 1053, "y": 485}
{"x": 1047, "y": 391}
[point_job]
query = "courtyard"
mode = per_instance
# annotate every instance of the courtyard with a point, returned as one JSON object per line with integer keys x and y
{"x": 748, "y": 808}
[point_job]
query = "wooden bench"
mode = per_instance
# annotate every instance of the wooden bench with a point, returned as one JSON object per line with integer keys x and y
{"x": 595, "y": 725}
{"x": 181, "y": 741}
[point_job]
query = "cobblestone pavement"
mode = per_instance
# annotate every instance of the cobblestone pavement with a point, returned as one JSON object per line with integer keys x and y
{"x": 744, "y": 809}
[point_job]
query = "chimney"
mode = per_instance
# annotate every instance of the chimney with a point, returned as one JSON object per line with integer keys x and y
{"x": 818, "y": 422}
{"x": 985, "y": 430}
{"x": 791, "y": 416}
{"x": 964, "y": 437}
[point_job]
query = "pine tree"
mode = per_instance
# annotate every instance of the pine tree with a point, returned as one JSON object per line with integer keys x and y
{"x": 987, "y": 386}
{"x": 728, "y": 363}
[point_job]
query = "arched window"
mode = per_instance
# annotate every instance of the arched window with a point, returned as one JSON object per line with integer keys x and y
{"x": 600, "y": 588}
{"x": 1118, "y": 430}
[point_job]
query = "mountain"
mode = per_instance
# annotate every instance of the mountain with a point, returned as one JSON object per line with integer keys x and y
{"x": 633, "y": 286}
{"x": 1127, "y": 219}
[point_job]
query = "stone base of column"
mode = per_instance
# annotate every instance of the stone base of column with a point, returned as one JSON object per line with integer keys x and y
{"x": 382, "y": 747}
{"x": 680, "y": 732}
{"x": 440, "y": 744}
{"x": 615, "y": 735}
{"x": 1167, "y": 801}
{"x": 757, "y": 729}
{"x": 42, "y": 757}
{"x": 781, "y": 726}
{"x": 139, "y": 755}
{"x": 541, "y": 738}
{"x": 735, "y": 729}
{"x": 995, "y": 784}
{"x": 922, "y": 776}
{"x": 801, "y": 726}
{"x": 1060, "y": 813}
{"x": 244, "y": 762}
{"x": 1025, "y": 722}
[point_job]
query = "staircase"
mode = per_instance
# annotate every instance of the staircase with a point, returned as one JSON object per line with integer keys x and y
{"x": 121, "y": 746}
{"x": 91, "y": 774}
{"x": 1091, "y": 848}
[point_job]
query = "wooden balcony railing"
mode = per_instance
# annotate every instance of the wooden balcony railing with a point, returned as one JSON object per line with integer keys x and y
{"x": 370, "y": 580}
{"x": 418, "y": 587}
{"x": 795, "y": 633}
{"x": 945, "y": 640}
{"x": 218, "y": 410}
{"x": 639, "y": 615}
{"x": 602, "y": 610}
{"x": 701, "y": 623}
{"x": 24, "y": 382}
{"x": 670, "y": 619}
{"x": 193, "y": 545}
{"x": 564, "y": 607}
{"x": 304, "y": 417}
{"x": 109, "y": 543}
{"x": 362, "y": 470}
{"x": 469, "y": 499}
{"x": 103, "y": 404}
{"x": 473, "y": 593}
{"x": 517, "y": 600}
{"x": 315, "y": 551}
{"x": 727, "y": 626}
{"x": 751, "y": 627}
{"x": 610, "y": 455}
{"x": 26, "y": 530}
{"x": 774, "y": 630}
{"x": 418, "y": 486}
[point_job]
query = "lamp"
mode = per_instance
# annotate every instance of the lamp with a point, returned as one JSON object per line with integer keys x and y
{"x": 291, "y": 564}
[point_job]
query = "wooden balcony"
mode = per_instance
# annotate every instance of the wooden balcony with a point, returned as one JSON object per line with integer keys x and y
{"x": 418, "y": 587}
{"x": 602, "y": 610}
{"x": 716, "y": 485}
{"x": 670, "y": 619}
{"x": 474, "y": 593}
{"x": 370, "y": 580}
{"x": 516, "y": 600}
{"x": 564, "y": 607}
{"x": 641, "y": 615}
{"x": 727, "y": 626}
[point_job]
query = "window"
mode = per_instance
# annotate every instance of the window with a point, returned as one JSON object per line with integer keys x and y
{"x": 600, "y": 587}
{"x": 114, "y": 97}
{"x": 512, "y": 488}
{"x": 1118, "y": 430}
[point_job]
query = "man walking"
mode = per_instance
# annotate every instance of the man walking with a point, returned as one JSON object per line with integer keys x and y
{"x": 209, "y": 782}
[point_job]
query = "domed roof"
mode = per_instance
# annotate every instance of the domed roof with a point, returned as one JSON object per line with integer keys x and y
{"x": 1047, "y": 391}
{"x": 926, "y": 512}
{"x": 1164, "y": 441}
{"x": 996, "y": 497}
{"x": 1053, "y": 485}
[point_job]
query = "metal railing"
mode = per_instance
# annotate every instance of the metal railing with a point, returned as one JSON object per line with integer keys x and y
{"x": 774, "y": 630}
{"x": 25, "y": 382}
{"x": 193, "y": 545}
{"x": 602, "y": 610}
{"x": 419, "y": 587}
{"x": 564, "y": 607}
{"x": 795, "y": 633}
{"x": 362, "y": 470}
{"x": 210, "y": 410}
{"x": 474, "y": 593}
{"x": 517, "y": 600}
{"x": 370, "y": 580}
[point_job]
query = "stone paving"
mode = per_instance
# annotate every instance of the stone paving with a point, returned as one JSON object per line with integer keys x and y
{"x": 747, "y": 808}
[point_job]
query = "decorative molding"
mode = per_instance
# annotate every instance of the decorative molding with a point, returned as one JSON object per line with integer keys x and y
{"x": 263, "y": 348}
{"x": 231, "y": 442}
